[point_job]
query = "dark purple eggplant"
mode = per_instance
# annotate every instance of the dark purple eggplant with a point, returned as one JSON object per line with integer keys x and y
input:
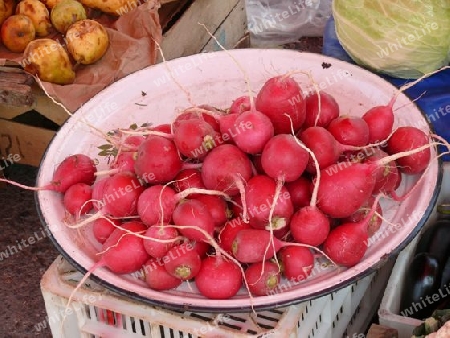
{"x": 422, "y": 282}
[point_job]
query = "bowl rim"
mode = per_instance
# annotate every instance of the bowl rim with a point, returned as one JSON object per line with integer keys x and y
{"x": 270, "y": 305}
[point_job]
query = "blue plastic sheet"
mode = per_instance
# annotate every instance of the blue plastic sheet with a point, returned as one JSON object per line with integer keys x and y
{"x": 434, "y": 92}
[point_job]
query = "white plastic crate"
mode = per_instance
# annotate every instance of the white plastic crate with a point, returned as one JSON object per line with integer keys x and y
{"x": 390, "y": 305}
{"x": 96, "y": 312}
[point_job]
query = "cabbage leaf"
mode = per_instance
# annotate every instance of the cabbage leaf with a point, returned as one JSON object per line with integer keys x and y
{"x": 401, "y": 38}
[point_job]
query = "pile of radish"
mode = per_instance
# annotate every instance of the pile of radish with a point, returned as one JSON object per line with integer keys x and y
{"x": 244, "y": 196}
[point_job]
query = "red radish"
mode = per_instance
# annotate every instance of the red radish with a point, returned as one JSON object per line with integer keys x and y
{"x": 192, "y": 213}
{"x": 236, "y": 205}
{"x": 157, "y": 248}
{"x": 125, "y": 162}
{"x": 300, "y": 191}
{"x": 194, "y": 138}
{"x": 124, "y": 252}
{"x": 103, "y": 228}
{"x": 204, "y": 113}
{"x": 240, "y": 105}
{"x": 202, "y": 248}
{"x": 346, "y": 244}
{"x": 98, "y": 192}
{"x": 188, "y": 178}
{"x": 344, "y": 187}
{"x": 216, "y": 206}
{"x": 182, "y": 261}
{"x": 120, "y": 195}
{"x": 405, "y": 139}
{"x": 283, "y": 159}
{"x": 73, "y": 169}
{"x": 256, "y": 161}
{"x": 254, "y": 245}
{"x": 262, "y": 278}
{"x": 132, "y": 143}
{"x": 323, "y": 145}
{"x": 158, "y": 160}
{"x": 156, "y": 204}
{"x": 296, "y": 262}
{"x": 309, "y": 226}
{"x": 375, "y": 221}
{"x": 350, "y": 130}
{"x": 282, "y": 100}
{"x": 225, "y": 167}
{"x": 164, "y": 128}
{"x": 78, "y": 199}
{"x": 329, "y": 110}
{"x": 255, "y": 130}
{"x": 259, "y": 197}
{"x": 387, "y": 176}
{"x": 380, "y": 121}
{"x": 156, "y": 276}
{"x": 218, "y": 278}
{"x": 227, "y": 128}
{"x": 229, "y": 231}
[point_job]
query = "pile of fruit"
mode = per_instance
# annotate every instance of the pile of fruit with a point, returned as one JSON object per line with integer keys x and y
{"x": 53, "y": 35}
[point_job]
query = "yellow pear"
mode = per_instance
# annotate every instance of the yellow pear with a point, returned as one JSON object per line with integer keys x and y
{"x": 38, "y": 13}
{"x": 87, "y": 41}
{"x": 48, "y": 60}
{"x": 6, "y": 9}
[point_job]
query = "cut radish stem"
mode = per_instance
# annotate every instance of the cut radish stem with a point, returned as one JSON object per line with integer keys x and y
{"x": 229, "y": 231}
{"x": 182, "y": 261}
{"x": 262, "y": 278}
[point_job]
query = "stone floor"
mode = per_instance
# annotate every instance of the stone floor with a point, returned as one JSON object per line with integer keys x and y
{"x": 22, "y": 264}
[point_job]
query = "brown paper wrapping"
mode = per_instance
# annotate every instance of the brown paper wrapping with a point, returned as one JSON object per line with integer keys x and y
{"x": 132, "y": 47}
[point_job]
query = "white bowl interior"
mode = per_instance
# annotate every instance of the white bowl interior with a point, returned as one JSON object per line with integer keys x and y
{"x": 152, "y": 96}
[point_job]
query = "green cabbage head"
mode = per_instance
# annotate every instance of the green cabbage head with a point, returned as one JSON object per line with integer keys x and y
{"x": 401, "y": 38}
